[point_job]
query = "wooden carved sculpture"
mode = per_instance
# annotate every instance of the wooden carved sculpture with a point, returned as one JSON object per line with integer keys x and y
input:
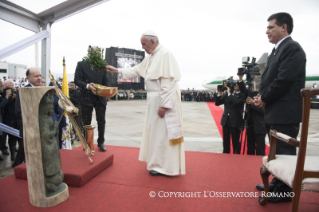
{"x": 45, "y": 178}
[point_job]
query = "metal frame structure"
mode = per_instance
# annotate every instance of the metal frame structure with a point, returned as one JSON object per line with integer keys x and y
{"x": 40, "y": 24}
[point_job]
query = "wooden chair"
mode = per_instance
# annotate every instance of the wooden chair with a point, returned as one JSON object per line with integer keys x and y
{"x": 299, "y": 171}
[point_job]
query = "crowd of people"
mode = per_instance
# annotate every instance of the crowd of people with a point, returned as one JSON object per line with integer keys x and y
{"x": 198, "y": 96}
{"x": 129, "y": 94}
{"x": 17, "y": 81}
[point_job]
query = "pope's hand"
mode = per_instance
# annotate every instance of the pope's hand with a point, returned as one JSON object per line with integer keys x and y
{"x": 161, "y": 111}
{"x": 112, "y": 69}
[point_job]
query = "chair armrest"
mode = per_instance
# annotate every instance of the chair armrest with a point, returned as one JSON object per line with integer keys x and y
{"x": 285, "y": 138}
{"x": 272, "y": 149}
{"x": 280, "y": 136}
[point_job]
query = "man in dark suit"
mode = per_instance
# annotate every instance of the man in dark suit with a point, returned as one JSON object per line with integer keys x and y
{"x": 85, "y": 77}
{"x": 255, "y": 127}
{"x": 34, "y": 79}
{"x": 232, "y": 118}
{"x": 279, "y": 92}
{"x": 9, "y": 118}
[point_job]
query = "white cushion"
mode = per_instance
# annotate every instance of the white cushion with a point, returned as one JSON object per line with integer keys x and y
{"x": 284, "y": 166}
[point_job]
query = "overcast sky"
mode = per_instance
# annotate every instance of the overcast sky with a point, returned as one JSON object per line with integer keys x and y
{"x": 208, "y": 38}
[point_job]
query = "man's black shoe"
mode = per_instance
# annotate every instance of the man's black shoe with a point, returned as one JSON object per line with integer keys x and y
{"x": 5, "y": 152}
{"x": 1, "y": 158}
{"x": 261, "y": 187}
{"x": 155, "y": 173}
{"x": 102, "y": 147}
{"x": 272, "y": 185}
{"x": 15, "y": 164}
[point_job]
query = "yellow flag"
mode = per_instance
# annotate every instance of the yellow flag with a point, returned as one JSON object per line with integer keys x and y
{"x": 65, "y": 86}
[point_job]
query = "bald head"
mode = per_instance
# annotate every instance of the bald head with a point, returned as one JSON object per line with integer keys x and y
{"x": 34, "y": 76}
{"x": 8, "y": 84}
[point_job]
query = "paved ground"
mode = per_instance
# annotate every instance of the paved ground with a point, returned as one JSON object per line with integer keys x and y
{"x": 125, "y": 119}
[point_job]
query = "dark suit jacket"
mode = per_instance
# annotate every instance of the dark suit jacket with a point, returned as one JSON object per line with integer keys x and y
{"x": 85, "y": 75}
{"x": 74, "y": 96}
{"x": 281, "y": 82}
{"x": 18, "y": 111}
{"x": 257, "y": 116}
{"x": 8, "y": 111}
{"x": 233, "y": 105}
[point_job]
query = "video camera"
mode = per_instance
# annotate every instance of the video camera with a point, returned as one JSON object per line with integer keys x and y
{"x": 250, "y": 69}
{"x": 228, "y": 82}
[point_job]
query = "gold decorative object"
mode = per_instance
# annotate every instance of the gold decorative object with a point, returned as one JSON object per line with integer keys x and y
{"x": 105, "y": 91}
{"x": 71, "y": 111}
{"x": 90, "y": 136}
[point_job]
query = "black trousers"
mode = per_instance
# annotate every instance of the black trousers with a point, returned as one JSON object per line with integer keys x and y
{"x": 100, "y": 109}
{"x": 292, "y": 130}
{"x": 12, "y": 140}
{"x": 255, "y": 142}
{"x": 20, "y": 157}
{"x": 3, "y": 142}
{"x": 235, "y": 133}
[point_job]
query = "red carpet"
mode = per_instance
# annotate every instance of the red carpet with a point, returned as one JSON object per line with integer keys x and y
{"x": 76, "y": 167}
{"x": 126, "y": 185}
{"x": 217, "y": 113}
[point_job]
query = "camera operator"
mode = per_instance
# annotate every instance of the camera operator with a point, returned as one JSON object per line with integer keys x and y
{"x": 9, "y": 118}
{"x": 232, "y": 119}
{"x": 255, "y": 127}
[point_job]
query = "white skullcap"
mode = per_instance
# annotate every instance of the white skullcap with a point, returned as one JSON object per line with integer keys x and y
{"x": 150, "y": 32}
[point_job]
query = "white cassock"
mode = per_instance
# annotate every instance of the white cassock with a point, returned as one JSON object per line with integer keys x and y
{"x": 162, "y": 146}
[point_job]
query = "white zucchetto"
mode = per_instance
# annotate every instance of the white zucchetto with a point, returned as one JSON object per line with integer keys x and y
{"x": 150, "y": 32}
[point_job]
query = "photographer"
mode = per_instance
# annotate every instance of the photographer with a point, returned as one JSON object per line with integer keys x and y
{"x": 9, "y": 118}
{"x": 255, "y": 127}
{"x": 232, "y": 119}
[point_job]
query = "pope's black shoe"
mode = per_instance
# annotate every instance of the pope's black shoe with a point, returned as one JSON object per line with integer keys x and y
{"x": 155, "y": 173}
{"x": 102, "y": 147}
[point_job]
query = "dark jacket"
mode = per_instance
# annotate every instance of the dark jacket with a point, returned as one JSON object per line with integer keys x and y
{"x": 257, "y": 116}
{"x": 85, "y": 75}
{"x": 18, "y": 111}
{"x": 7, "y": 107}
{"x": 233, "y": 107}
{"x": 74, "y": 96}
{"x": 281, "y": 82}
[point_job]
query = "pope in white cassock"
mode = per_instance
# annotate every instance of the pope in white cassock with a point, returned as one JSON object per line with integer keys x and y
{"x": 162, "y": 146}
